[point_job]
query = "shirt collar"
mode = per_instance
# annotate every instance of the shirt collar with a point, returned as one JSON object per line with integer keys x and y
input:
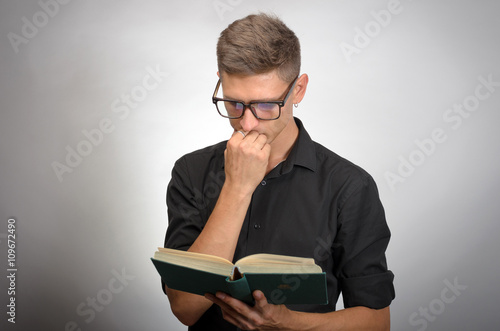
{"x": 303, "y": 152}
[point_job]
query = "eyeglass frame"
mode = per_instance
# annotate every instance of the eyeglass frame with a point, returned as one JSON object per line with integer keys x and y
{"x": 280, "y": 103}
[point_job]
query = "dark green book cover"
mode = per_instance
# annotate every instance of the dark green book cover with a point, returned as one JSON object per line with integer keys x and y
{"x": 278, "y": 288}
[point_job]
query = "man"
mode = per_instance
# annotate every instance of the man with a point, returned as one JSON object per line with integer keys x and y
{"x": 271, "y": 189}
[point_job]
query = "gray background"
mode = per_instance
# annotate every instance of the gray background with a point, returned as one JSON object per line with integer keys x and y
{"x": 106, "y": 214}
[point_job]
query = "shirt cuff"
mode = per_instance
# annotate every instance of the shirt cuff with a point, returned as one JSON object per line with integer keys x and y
{"x": 373, "y": 291}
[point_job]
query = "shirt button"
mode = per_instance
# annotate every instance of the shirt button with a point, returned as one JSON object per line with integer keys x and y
{"x": 263, "y": 183}
{"x": 256, "y": 226}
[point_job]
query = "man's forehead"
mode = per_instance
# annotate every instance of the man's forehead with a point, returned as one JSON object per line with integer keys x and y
{"x": 267, "y": 76}
{"x": 262, "y": 87}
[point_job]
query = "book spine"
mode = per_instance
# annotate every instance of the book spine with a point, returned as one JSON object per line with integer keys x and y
{"x": 239, "y": 289}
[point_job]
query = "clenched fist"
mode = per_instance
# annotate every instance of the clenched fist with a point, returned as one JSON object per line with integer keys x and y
{"x": 246, "y": 159}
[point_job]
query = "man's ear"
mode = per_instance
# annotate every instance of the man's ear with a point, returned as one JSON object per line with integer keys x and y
{"x": 300, "y": 88}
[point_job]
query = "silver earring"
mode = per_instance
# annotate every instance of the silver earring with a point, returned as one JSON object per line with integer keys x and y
{"x": 295, "y": 105}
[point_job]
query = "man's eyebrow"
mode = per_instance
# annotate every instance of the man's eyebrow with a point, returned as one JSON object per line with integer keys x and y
{"x": 254, "y": 100}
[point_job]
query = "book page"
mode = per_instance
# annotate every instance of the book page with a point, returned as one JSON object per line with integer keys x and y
{"x": 204, "y": 262}
{"x": 271, "y": 263}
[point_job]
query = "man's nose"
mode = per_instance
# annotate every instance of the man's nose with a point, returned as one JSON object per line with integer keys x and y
{"x": 248, "y": 122}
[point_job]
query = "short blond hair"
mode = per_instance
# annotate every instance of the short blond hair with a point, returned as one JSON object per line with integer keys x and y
{"x": 259, "y": 44}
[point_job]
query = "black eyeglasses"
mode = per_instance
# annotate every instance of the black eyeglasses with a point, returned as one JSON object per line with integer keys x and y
{"x": 263, "y": 110}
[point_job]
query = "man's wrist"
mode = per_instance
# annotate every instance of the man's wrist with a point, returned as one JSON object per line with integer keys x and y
{"x": 293, "y": 320}
{"x": 235, "y": 192}
{"x": 306, "y": 321}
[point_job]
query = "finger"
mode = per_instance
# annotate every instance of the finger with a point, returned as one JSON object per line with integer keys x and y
{"x": 228, "y": 312}
{"x": 261, "y": 141}
{"x": 216, "y": 300}
{"x": 251, "y": 136}
{"x": 260, "y": 299}
{"x": 220, "y": 302}
{"x": 236, "y": 305}
{"x": 234, "y": 319}
{"x": 256, "y": 139}
{"x": 241, "y": 133}
{"x": 238, "y": 135}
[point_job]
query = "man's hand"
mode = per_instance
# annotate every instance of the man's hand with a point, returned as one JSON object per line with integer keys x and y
{"x": 262, "y": 316}
{"x": 246, "y": 160}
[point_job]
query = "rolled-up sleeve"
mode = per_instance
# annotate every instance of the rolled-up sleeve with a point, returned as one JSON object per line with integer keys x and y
{"x": 184, "y": 212}
{"x": 360, "y": 245}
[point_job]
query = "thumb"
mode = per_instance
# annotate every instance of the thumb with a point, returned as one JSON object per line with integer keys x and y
{"x": 260, "y": 298}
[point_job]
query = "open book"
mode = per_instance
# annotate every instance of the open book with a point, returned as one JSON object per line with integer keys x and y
{"x": 283, "y": 279}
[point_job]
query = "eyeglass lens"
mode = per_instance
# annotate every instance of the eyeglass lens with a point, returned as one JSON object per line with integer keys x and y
{"x": 264, "y": 110}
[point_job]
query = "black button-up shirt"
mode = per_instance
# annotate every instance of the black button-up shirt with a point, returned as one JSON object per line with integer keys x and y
{"x": 314, "y": 204}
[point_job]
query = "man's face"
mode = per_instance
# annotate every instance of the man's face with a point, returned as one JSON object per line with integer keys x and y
{"x": 262, "y": 87}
